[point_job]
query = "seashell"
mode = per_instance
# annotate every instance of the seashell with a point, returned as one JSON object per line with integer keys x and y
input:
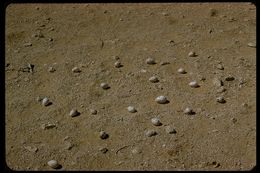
{"x": 45, "y": 101}
{"x": 93, "y": 111}
{"x": 150, "y": 61}
{"x": 170, "y": 130}
{"x": 118, "y": 64}
{"x": 104, "y": 86}
{"x": 156, "y": 121}
{"x": 74, "y": 113}
{"x": 221, "y": 99}
{"x": 51, "y": 69}
{"x": 150, "y": 133}
{"x": 53, "y": 164}
{"x": 76, "y": 70}
{"x": 181, "y": 71}
{"x": 188, "y": 111}
{"x": 192, "y": 54}
{"x": 131, "y": 109}
{"x": 194, "y": 84}
{"x": 153, "y": 79}
{"x": 103, "y": 135}
{"x": 161, "y": 99}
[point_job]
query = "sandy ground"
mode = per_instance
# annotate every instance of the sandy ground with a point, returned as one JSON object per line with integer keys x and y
{"x": 92, "y": 37}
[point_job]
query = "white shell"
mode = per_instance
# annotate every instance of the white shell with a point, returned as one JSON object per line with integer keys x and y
{"x": 188, "y": 111}
{"x": 156, "y": 121}
{"x": 161, "y": 99}
{"x": 104, "y": 85}
{"x": 45, "y": 101}
{"x": 153, "y": 79}
{"x": 103, "y": 135}
{"x": 150, "y": 61}
{"x": 73, "y": 113}
{"x": 118, "y": 64}
{"x": 221, "y": 99}
{"x": 181, "y": 71}
{"x": 53, "y": 164}
{"x": 76, "y": 70}
{"x": 131, "y": 109}
{"x": 150, "y": 133}
{"x": 51, "y": 69}
{"x": 170, "y": 130}
{"x": 194, "y": 84}
{"x": 192, "y": 54}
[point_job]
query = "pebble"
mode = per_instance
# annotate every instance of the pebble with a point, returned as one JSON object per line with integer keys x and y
{"x": 51, "y": 69}
{"x": 31, "y": 149}
{"x": 221, "y": 89}
{"x": 118, "y": 64}
{"x": 153, "y": 79}
{"x": 221, "y": 99}
{"x": 164, "y": 63}
{"x": 93, "y": 111}
{"x": 131, "y": 109}
{"x": 188, "y": 111}
{"x": 39, "y": 99}
{"x": 217, "y": 82}
{"x": 116, "y": 57}
{"x": 53, "y": 164}
{"x": 150, "y": 61}
{"x": 103, "y": 150}
{"x": 104, "y": 86}
{"x": 150, "y": 133}
{"x": 229, "y": 78}
{"x": 68, "y": 146}
{"x": 103, "y": 135}
{"x": 76, "y": 70}
{"x": 161, "y": 99}
{"x": 170, "y": 130}
{"x": 194, "y": 84}
{"x": 27, "y": 44}
{"x": 156, "y": 121}
{"x": 252, "y": 45}
{"x": 192, "y": 54}
{"x": 220, "y": 67}
{"x": 45, "y": 101}
{"x": 181, "y": 71}
{"x": 47, "y": 126}
{"x": 73, "y": 113}
{"x": 234, "y": 120}
{"x": 136, "y": 151}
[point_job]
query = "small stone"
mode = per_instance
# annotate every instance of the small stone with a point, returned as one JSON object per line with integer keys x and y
{"x": 221, "y": 89}
{"x": 51, "y": 69}
{"x": 39, "y": 99}
{"x": 118, "y": 64}
{"x": 188, "y": 111}
{"x": 150, "y": 133}
{"x": 156, "y": 121}
{"x": 220, "y": 67}
{"x": 74, "y": 113}
{"x": 153, "y": 79}
{"x": 234, "y": 120}
{"x": 143, "y": 70}
{"x": 103, "y": 135}
{"x": 27, "y": 44}
{"x": 53, "y": 164}
{"x": 131, "y": 109}
{"x": 194, "y": 84}
{"x": 45, "y": 101}
{"x": 192, "y": 54}
{"x": 103, "y": 150}
{"x": 76, "y": 70}
{"x": 161, "y": 99}
{"x": 150, "y": 61}
{"x": 181, "y": 71}
{"x": 136, "y": 151}
{"x": 68, "y": 146}
{"x": 217, "y": 82}
{"x": 47, "y": 126}
{"x": 116, "y": 57}
{"x": 229, "y": 78}
{"x": 164, "y": 63}
{"x": 252, "y": 45}
{"x": 104, "y": 86}
{"x": 221, "y": 99}
{"x": 170, "y": 130}
{"x": 31, "y": 149}
{"x": 93, "y": 111}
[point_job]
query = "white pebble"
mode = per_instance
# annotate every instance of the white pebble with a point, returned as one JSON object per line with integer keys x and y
{"x": 220, "y": 67}
{"x": 221, "y": 99}
{"x": 188, "y": 111}
{"x": 103, "y": 135}
{"x": 150, "y": 61}
{"x": 192, "y": 54}
{"x": 217, "y": 82}
{"x": 170, "y": 130}
{"x": 150, "y": 133}
{"x": 161, "y": 99}
{"x": 181, "y": 71}
{"x": 156, "y": 121}
{"x": 194, "y": 84}
{"x": 74, "y": 113}
{"x": 104, "y": 85}
{"x": 45, "y": 101}
{"x": 51, "y": 69}
{"x": 93, "y": 111}
{"x": 118, "y": 64}
{"x": 53, "y": 164}
{"x": 153, "y": 79}
{"x": 252, "y": 45}
{"x": 76, "y": 70}
{"x": 131, "y": 109}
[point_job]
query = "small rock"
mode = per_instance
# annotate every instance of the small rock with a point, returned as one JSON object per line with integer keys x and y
{"x": 229, "y": 78}
{"x": 116, "y": 57}
{"x": 103, "y": 150}
{"x": 103, "y": 135}
{"x": 252, "y": 45}
{"x": 164, "y": 63}
{"x": 104, "y": 86}
{"x": 161, "y": 99}
{"x": 74, "y": 113}
{"x": 170, "y": 130}
{"x": 136, "y": 151}
{"x": 68, "y": 146}
{"x": 181, "y": 71}
{"x": 45, "y": 101}
{"x": 53, "y": 164}
{"x": 194, "y": 84}
{"x": 221, "y": 99}
{"x": 150, "y": 61}
{"x": 234, "y": 120}
{"x": 188, "y": 111}
{"x": 220, "y": 67}
{"x": 27, "y": 44}
{"x": 143, "y": 70}
{"x": 118, "y": 64}
{"x": 93, "y": 111}
{"x": 31, "y": 149}
{"x": 156, "y": 121}
{"x": 76, "y": 70}
{"x": 192, "y": 54}
{"x": 221, "y": 89}
{"x": 47, "y": 126}
{"x": 131, "y": 109}
{"x": 217, "y": 82}
{"x": 150, "y": 133}
{"x": 39, "y": 99}
{"x": 153, "y": 79}
{"x": 51, "y": 69}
